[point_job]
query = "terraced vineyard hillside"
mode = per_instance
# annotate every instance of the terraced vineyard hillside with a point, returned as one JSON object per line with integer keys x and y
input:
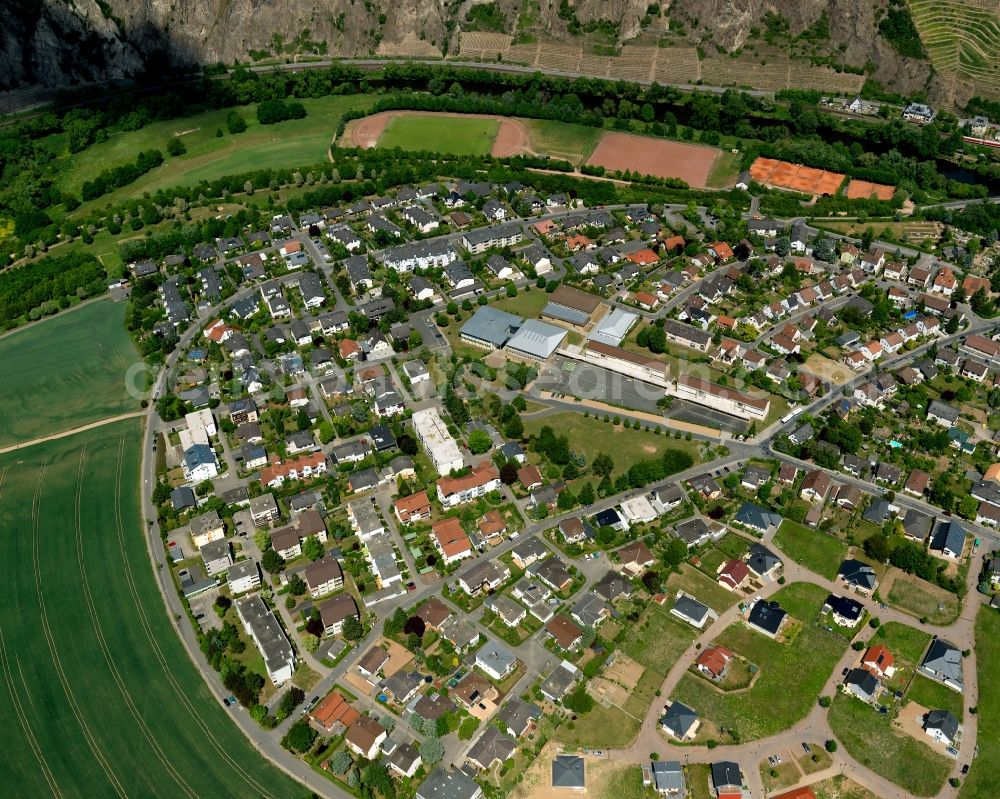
{"x": 962, "y": 38}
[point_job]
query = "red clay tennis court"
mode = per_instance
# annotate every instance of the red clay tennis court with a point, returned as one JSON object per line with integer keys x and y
{"x": 663, "y": 159}
{"x": 796, "y": 177}
{"x": 862, "y": 189}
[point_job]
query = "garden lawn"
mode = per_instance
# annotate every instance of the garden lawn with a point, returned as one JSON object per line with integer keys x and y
{"x": 621, "y": 782}
{"x": 791, "y": 674}
{"x": 591, "y": 436}
{"x": 65, "y": 372}
{"x": 702, "y": 587}
{"x": 818, "y": 552}
{"x": 699, "y": 777}
{"x": 100, "y": 698}
{"x": 564, "y": 140}
{"x": 294, "y": 143}
{"x": 454, "y": 135}
{"x": 923, "y": 600}
{"x": 657, "y": 640}
{"x": 724, "y": 171}
{"x": 528, "y": 304}
{"x": 934, "y": 695}
{"x": 982, "y": 778}
{"x": 905, "y": 643}
{"x": 603, "y": 727}
{"x": 870, "y": 739}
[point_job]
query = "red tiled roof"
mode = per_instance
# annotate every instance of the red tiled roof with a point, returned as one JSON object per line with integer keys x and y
{"x": 480, "y": 475}
{"x": 734, "y": 572}
{"x": 451, "y": 537}
{"x": 332, "y": 709}
{"x": 715, "y": 659}
{"x": 411, "y": 504}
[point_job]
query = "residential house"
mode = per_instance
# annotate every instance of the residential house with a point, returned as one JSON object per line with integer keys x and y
{"x": 495, "y": 660}
{"x": 451, "y": 540}
{"x": 733, "y": 575}
{"x": 680, "y": 722}
{"x": 943, "y": 662}
{"x": 846, "y": 612}
{"x": 713, "y": 661}
{"x": 862, "y": 684}
{"x": 365, "y": 736}
{"x": 767, "y": 617}
{"x": 335, "y": 611}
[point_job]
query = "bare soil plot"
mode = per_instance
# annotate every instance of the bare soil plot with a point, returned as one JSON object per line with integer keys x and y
{"x": 827, "y": 369}
{"x": 606, "y": 692}
{"x": 614, "y": 687}
{"x": 512, "y": 138}
{"x": 623, "y": 670}
{"x": 664, "y": 159}
{"x": 841, "y": 787}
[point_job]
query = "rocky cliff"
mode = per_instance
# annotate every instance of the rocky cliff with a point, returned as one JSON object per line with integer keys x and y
{"x": 852, "y": 34}
{"x": 52, "y": 43}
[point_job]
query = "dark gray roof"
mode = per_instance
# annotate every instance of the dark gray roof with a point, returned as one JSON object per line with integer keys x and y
{"x": 950, "y": 536}
{"x": 757, "y": 517}
{"x": 679, "y": 719}
{"x": 613, "y": 585}
{"x": 492, "y": 745}
{"x": 690, "y": 608}
{"x": 877, "y": 512}
{"x": 845, "y": 606}
{"x": 767, "y": 616}
{"x": 725, "y": 772}
{"x": 567, "y": 772}
{"x": 863, "y": 680}
{"x": 944, "y": 660}
{"x": 943, "y": 410}
{"x": 857, "y": 573}
{"x": 492, "y": 325}
{"x": 517, "y": 713}
{"x": 942, "y": 720}
{"x": 916, "y": 524}
{"x": 441, "y": 784}
{"x": 692, "y": 531}
{"x": 761, "y": 559}
{"x": 182, "y": 497}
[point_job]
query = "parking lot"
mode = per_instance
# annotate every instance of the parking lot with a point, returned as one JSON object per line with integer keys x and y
{"x": 586, "y": 381}
{"x": 423, "y": 324}
{"x": 684, "y": 411}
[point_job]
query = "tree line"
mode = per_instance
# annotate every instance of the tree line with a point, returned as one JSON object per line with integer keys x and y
{"x": 110, "y": 179}
{"x": 48, "y": 283}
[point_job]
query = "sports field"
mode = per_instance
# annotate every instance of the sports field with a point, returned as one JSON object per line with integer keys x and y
{"x": 691, "y": 163}
{"x": 65, "y": 372}
{"x": 98, "y": 697}
{"x": 795, "y": 177}
{"x": 295, "y": 143}
{"x": 573, "y": 143}
{"x": 461, "y": 136}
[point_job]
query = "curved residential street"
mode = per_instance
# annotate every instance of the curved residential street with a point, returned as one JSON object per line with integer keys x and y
{"x": 813, "y": 728}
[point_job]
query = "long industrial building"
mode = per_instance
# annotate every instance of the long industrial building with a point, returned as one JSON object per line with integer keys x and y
{"x": 720, "y": 398}
{"x": 434, "y": 437}
{"x": 625, "y": 362}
